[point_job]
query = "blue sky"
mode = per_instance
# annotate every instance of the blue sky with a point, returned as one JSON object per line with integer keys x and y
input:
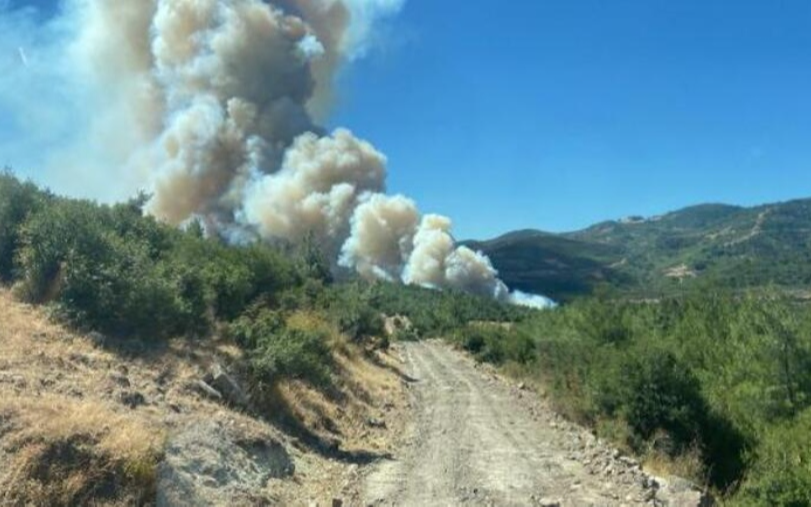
{"x": 558, "y": 114}
{"x": 555, "y": 115}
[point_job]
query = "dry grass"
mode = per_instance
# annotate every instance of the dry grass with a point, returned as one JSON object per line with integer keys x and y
{"x": 687, "y": 465}
{"x": 368, "y": 386}
{"x": 71, "y": 452}
{"x": 363, "y": 391}
{"x": 67, "y": 437}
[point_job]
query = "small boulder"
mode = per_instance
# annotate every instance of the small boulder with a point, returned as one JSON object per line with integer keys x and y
{"x": 677, "y": 492}
{"x": 375, "y": 423}
{"x": 201, "y": 387}
{"x": 213, "y": 463}
{"x": 225, "y": 384}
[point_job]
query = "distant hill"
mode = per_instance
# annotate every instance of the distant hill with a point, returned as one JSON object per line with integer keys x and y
{"x": 731, "y": 246}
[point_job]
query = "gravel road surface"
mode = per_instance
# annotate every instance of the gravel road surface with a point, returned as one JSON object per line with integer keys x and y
{"x": 477, "y": 439}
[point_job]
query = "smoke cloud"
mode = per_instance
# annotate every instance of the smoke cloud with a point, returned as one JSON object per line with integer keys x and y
{"x": 214, "y": 107}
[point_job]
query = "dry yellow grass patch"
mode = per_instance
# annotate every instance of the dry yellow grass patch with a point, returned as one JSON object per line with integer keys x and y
{"x": 75, "y": 452}
{"x": 66, "y": 438}
{"x": 363, "y": 409}
{"x": 687, "y": 465}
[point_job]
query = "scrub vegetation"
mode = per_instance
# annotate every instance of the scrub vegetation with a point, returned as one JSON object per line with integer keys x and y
{"x": 714, "y": 384}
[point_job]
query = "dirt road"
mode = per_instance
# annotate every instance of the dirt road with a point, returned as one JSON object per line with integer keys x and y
{"x": 478, "y": 440}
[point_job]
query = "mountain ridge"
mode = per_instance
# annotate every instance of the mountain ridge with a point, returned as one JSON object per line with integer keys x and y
{"x": 735, "y": 246}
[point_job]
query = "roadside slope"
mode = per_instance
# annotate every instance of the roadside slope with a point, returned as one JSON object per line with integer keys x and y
{"x": 85, "y": 421}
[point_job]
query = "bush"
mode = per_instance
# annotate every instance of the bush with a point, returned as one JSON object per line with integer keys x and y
{"x": 277, "y": 352}
{"x": 493, "y": 343}
{"x": 73, "y": 255}
{"x": 781, "y": 475}
{"x": 293, "y": 354}
{"x": 660, "y": 393}
{"x": 111, "y": 269}
{"x": 696, "y": 375}
{"x": 406, "y": 334}
{"x": 17, "y": 201}
{"x": 435, "y": 313}
{"x": 235, "y": 276}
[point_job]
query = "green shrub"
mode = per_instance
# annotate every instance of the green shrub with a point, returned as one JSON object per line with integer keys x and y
{"x": 781, "y": 475}
{"x": 660, "y": 393}
{"x": 604, "y": 321}
{"x": 235, "y": 275}
{"x": 112, "y": 269}
{"x": 17, "y": 201}
{"x": 495, "y": 344}
{"x": 360, "y": 322}
{"x": 106, "y": 276}
{"x": 277, "y": 352}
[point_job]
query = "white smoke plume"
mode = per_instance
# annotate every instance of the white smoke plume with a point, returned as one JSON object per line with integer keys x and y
{"x": 531, "y": 300}
{"x": 213, "y": 106}
{"x": 381, "y": 236}
{"x": 316, "y": 190}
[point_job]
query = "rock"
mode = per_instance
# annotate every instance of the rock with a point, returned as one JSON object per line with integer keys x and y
{"x": 228, "y": 388}
{"x": 375, "y": 423}
{"x": 677, "y": 492}
{"x": 208, "y": 463}
{"x": 206, "y": 390}
{"x": 522, "y": 386}
{"x": 337, "y": 502}
{"x": 549, "y": 502}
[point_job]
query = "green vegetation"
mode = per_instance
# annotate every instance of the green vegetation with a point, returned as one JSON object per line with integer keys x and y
{"x": 112, "y": 269}
{"x": 708, "y": 375}
{"x": 728, "y": 246}
{"x": 115, "y": 270}
{"x": 719, "y": 377}
{"x": 278, "y": 351}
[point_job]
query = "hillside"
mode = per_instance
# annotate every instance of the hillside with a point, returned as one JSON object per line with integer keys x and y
{"x": 732, "y": 246}
{"x": 91, "y": 422}
{"x": 139, "y": 361}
